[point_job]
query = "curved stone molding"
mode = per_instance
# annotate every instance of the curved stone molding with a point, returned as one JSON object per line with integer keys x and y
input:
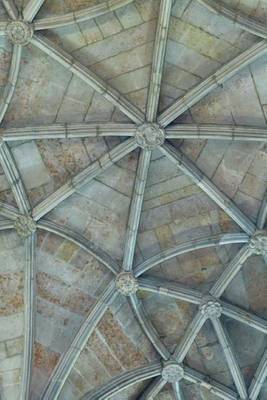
{"x": 24, "y": 226}
{"x": 136, "y": 209}
{"x": 187, "y": 247}
{"x": 90, "y": 78}
{"x": 11, "y": 8}
{"x": 81, "y": 15}
{"x": 68, "y": 131}
{"x": 85, "y": 244}
{"x": 201, "y": 90}
{"x": 149, "y": 136}
{"x": 202, "y": 181}
{"x": 216, "y": 132}
{"x": 126, "y": 283}
{"x": 123, "y": 381}
{"x": 172, "y": 372}
{"x": 158, "y": 59}
{"x": 210, "y": 307}
{"x": 19, "y": 32}
{"x": 237, "y": 18}
{"x": 258, "y": 243}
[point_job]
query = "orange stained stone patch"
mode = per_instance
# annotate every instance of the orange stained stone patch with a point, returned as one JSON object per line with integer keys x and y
{"x": 44, "y": 359}
{"x": 58, "y": 292}
{"x": 67, "y": 250}
{"x": 101, "y": 350}
{"x": 11, "y": 293}
{"x": 122, "y": 346}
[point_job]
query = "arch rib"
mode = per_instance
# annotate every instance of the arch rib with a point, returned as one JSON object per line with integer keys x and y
{"x": 186, "y": 247}
{"x": 259, "y": 378}
{"x": 81, "y": 15}
{"x": 230, "y": 358}
{"x": 178, "y": 291}
{"x": 67, "y": 361}
{"x": 148, "y": 328}
{"x": 11, "y": 8}
{"x": 29, "y": 310}
{"x": 209, "y": 384}
{"x": 190, "y": 169}
{"x": 217, "y": 132}
{"x": 68, "y": 131}
{"x": 191, "y": 333}
{"x": 215, "y": 80}
{"x": 177, "y": 391}
{"x": 231, "y": 271}
{"x": 123, "y": 381}
{"x": 135, "y": 209}
{"x": 170, "y": 289}
{"x": 8, "y": 211}
{"x": 12, "y": 80}
{"x": 13, "y": 176}
{"x": 262, "y": 217}
{"x": 80, "y": 241}
{"x": 84, "y": 177}
{"x": 31, "y": 9}
{"x": 152, "y": 389}
{"x": 6, "y": 224}
{"x": 158, "y": 59}
{"x": 244, "y": 22}
{"x": 90, "y": 78}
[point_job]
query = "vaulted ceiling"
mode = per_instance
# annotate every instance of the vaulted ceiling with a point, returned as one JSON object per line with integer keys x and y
{"x": 133, "y": 206}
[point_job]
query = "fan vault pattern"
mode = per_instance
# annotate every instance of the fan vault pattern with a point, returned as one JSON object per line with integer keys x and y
{"x": 120, "y": 278}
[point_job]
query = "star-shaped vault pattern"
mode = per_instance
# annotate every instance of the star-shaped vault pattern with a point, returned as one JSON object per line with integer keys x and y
{"x": 149, "y": 130}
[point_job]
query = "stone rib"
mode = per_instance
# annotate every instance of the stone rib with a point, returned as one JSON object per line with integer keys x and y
{"x": 148, "y": 328}
{"x": 6, "y": 224}
{"x": 11, "y": 9}
{"x": 152, "y": 389}
{"x": 135, "y": 209}
{"x": 83, "y": 177}
{"x": 82, "y": 242}
{"x": 230, "y": 271}
{"x": 230, "y": 358}
{"x": 189, "y": 337}
{"x": 170, "y": 289}
{"x": 215, "y": 80}
{"x": 81, "y": 15}
{"x": 29, "y": 311}
{"x": 175, "y": 290}
{"x": 158, "y": 59}
{"x": 67, "y": 361}
{"x": 89, "y": 77}
{"x": 244, "y": 22}
{"x": 123, "y": 381}
{"x": 217, "y": 132}
{"x": 211, "y": 385}
{"x": 12, "y": 174}
{"x": 177, "y": 391}
{"x": 12, "y": 80}
{"x": 191, "y": 170}
{"x": 8, "y": 211}
{"x": 68, "y": 131}
{"x": 259, "y": 378}
{"x": 262, "y": 217}
{"x": 244, "y": 317}
{"x": 182, "y": 248}
{"x": 31, "y": 9}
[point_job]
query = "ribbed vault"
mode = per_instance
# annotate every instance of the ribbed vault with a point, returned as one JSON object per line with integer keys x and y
{"x": 140, "y": 142}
